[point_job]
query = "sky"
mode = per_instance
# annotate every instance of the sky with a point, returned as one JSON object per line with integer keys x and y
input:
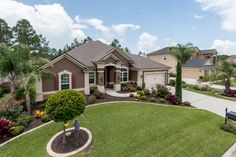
{"x": 140, "y": 25}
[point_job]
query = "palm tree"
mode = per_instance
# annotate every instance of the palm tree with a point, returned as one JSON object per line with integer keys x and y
{"x": 182, "y": 53}
{"x": 29, "y": 75}
{"x": 12, "y": 60}
{"x": 226, "y": 71}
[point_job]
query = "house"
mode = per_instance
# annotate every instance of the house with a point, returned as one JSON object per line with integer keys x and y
{"x": 95, "y": 64}
{"x": 232, "y": 59}
{"x": 201, "y": 64}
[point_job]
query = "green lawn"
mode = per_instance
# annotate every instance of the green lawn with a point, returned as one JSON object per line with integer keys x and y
{"x": 140, "y": 130}
{"x": 233, "y": 83}
{"x": 214, "y": 93}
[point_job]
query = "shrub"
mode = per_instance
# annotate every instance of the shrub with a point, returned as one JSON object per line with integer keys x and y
{"x": 140, "y": 93}
{"x": 152, "y": 99}
{"x": 203, "y": 87}
{"x": 162, "y": 90}
{"x": 6, "y": 86}
{"x": 1, "y": 92}
{"x": 139, "y": 88}
{"x": 132, "y": 89}
{"x": 20, "y": 94}
{"x": 93, "y": 90}
{"x": 229, "y": 128}
{"x": 17, "y": 130}
{"x": 23, "y": 119}
{"x": 91, "y": 99}
{"x": 230, "y": 93}
{"x": 5, "y": 128}
{"x": 45, "y": 118}
{"x": 173, "y": 99}
{"x": 171, "y": 74}
{"x": 162, "y": 100}
{"x": 11, "y": 109}
{"x": 147, "y": 92}
{"x": 187, "y": 103}
{"x": 172, "y": 82}
{"x": 39, "y": 114}
{"x": 124, "y": 88}
{"x": 60, "y": 109}
{"x": 143, "y": 85}
{"x": 143, "y": 97}
{"x": 131, "y": 95}
{"x": 98, "y": 94}
{"x": 196, "y": 87}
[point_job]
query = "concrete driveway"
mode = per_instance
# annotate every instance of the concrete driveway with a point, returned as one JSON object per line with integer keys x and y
{"x": 208, "y": 103}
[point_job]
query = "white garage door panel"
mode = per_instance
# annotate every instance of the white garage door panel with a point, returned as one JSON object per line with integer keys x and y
{"x": 151, "y": 79}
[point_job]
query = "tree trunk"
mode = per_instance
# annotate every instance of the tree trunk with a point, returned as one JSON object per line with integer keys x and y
{"x": 27, "y": 99}
{"x": 178, "y": 84}
{"x": 64, "y": 133}
{"x": 227, "y": 85}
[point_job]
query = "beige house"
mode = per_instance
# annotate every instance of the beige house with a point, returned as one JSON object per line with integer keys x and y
{"x": 232, "y": 59}
{"x": 95, "y": 64}
{"x": 199, "y": 65}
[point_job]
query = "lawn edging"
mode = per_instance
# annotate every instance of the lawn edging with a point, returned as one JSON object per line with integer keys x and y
{"x": 231, "y": 152}
{"x": 103, "y": 103}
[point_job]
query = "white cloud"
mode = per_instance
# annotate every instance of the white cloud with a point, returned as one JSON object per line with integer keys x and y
{"x": 50, "y": 20}
{"x": 196, "y": 16}
{"x": 147, "y": 42}
{"x": 110, "y": 31}
{"x": 224, "y": 46}
{"x": 226, "y": 9}
{"x": 103, "y": 40}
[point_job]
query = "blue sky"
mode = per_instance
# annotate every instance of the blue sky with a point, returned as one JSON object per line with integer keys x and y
{"x": 138, "y": 24}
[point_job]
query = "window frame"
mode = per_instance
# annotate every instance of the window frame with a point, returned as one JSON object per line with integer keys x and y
{"x": 94, "y": 79}
{"x": 122, "y": 74}
{"x": 60, "y": 81}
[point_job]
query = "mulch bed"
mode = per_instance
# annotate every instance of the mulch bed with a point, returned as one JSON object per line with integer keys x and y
{"x": 71, "y": 144}
{"x": 33, "y": 124}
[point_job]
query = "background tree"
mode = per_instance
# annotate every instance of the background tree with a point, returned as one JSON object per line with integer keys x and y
{"x": 12, "y": 60}
{"x": 5, "y": 33}
{"x": 226, "y": 71}
{"x": 61, "y": 110}
{"x": 116, "y": 43}
{"x": 182, "y": 53}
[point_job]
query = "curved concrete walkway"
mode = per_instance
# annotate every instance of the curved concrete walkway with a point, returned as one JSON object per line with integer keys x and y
{"x": 111, "y": 92}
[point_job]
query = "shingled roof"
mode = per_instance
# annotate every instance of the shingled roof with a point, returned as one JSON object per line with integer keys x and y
{"x": 94, "y": 50}
{"x": 196, "y": 62}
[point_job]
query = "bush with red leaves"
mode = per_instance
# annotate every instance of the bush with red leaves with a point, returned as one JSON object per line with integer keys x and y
{"x": 173, "y": 99}
{"x": 230, "y": 93}
{"x": 5, "y": 129}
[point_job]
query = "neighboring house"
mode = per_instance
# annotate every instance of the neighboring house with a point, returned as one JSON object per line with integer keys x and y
{"x": 201, "y": 64}
{"x": 95, "y": 64}
{"x": 232, "y": 59}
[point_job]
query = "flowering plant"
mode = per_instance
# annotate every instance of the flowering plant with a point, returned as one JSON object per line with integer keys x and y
{"x": 11, "y": 109}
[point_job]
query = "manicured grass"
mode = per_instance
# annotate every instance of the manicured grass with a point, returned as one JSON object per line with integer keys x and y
{"x": 233, "y": 83}
{"x": 140, "y": 130}
{"x": 214, "y": 93}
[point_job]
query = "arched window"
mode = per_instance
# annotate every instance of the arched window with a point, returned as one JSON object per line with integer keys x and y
{"x": 65, "y": 80}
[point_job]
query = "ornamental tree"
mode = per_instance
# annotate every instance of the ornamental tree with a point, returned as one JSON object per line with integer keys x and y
{"x": 65, "y": 105}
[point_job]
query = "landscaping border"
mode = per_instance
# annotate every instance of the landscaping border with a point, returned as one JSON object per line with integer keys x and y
{"x": 54, "y": 154}
{"x": 103, "y": 103}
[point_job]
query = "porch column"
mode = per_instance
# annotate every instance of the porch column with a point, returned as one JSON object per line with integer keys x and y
{"x": 100, "y": 77}
{"x": 86, "y": 83}
{"x": 117, "y": 86}
{"x": 39, "y": 90}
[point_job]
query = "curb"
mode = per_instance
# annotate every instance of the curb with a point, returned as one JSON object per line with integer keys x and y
{"x": 231, "y": 152}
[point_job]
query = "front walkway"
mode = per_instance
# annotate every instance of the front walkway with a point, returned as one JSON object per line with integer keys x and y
{"x": 112, "y": 92}
{"x": 212, "y": 104}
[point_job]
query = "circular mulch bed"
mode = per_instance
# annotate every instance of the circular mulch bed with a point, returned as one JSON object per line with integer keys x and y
{"x": 56, "y": 147}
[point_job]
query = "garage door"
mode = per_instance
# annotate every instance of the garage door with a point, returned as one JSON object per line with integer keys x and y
{"x": 153, "y": 78}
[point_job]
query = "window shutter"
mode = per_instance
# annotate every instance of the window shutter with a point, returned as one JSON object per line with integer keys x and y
{"x": 56, "y": 83}
{"x": 73, "y": 81}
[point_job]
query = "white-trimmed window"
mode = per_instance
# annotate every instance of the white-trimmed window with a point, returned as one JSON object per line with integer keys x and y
{"x": 92, "y": 78}
{"x": 124, "y": 75}
{"x": 65, "y": 80}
